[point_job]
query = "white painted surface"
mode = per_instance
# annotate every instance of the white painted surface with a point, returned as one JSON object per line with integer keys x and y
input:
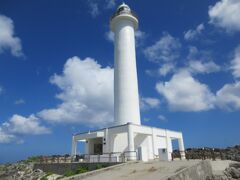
{"x": 126, "y": 98}
{"x": 163, "y": 154}
{"x": 130, "y": 137}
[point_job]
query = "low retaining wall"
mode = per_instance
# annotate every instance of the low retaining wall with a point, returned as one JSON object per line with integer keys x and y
{"x": 61, "y": 168}
{"x": 199, "y": 171}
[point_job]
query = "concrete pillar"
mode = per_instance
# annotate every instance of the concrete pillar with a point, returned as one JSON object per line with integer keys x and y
{"x": 87, "y": 147}
{"x": 106, "y": 142}
{"x": 131, "y": 153}
{"x": 169, "y": 146}
{"x": 181, "y": 148}
{"x": 74, "y": 147}
{"x": 154, "y": 143}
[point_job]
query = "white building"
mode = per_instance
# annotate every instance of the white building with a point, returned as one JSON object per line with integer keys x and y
{"x": 127, "y": 139}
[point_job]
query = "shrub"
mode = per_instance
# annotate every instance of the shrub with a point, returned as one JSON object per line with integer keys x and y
{"x": 81, "y": 170}
{"x": 69, "y": 173}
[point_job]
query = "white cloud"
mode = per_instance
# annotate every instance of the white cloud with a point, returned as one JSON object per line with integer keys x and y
{"x": 193, "y": 33}
{"x": 139, "y": 37}
{"x": 196, "y": 54}
{"x": 228, "y": 97}
{"x": 195, "y": 66}
{"x": 93, "y": 8}
{"x": 8, "y": 41}
{"x": 110, "y": 4}
{"x": 149, "y": 102}
{"x": 86, "y": 94}
{"x": 19, "y": 101}
{"x": 162, "y": 118}
{"x": 184, "y": 93}
{"x": 166, "y": 49}
{"x": 226, "y": 14}
{"x": 1, "y": 90}
{"x": 200, "y": 61}
{"x": 235, "y": 63}
{"x": 166, "y": 68}
{"x": 109, "y": 36}
{"x": 19, "y": 125}
{"x": 5, "y": 137}
{"x": 24, "y": 125}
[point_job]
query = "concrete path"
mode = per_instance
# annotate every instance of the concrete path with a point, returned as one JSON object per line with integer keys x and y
{"x": 219, "y": 166}
{"x": 143, "y": 171}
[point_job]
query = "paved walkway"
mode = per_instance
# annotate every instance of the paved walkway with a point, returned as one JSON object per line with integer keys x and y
{"x": 143, "y": 171}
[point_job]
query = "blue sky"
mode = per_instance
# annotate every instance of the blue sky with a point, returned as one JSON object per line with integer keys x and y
{"x": 56, "y": 71}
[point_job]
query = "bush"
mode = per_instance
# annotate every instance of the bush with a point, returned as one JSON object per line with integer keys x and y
{"x": 44, "y": 178}
{"x": 69, "y": 173}
{"x": 81, "y": 170}
{"x": 33, "y": 159}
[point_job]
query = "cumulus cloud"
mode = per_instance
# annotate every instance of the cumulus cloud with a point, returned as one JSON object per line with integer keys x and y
{"x": 149, "y": 102}
{"x": 8, "y": 40}
{"x": 200, "y": 62}
{"x": 139, "y": 37}
{"x": 226, "y": 14}
{"x": 193, "y": 33}
{"x": 5, "y": 137}
{"x": 235, "y": 63}
{"x": 195, "y": 66}
{"x": 184, "y": 93}
{"x": 86, "y": 94}
{"x": 20, "y": 125}
{"x": 166, "y": 68}
{"x": 166, "y": 49}
{"x": 228, "y": 97}
{"x": 95, "y": 7}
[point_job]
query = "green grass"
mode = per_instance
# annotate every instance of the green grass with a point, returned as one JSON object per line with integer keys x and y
{"x": 79, "y": 170}
{"x": 69, "y": 173}
{"x": 45, "y": 177}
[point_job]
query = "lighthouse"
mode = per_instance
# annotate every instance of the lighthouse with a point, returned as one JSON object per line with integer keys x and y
{"x": 123, "y": 24}
{"x": 126, "y": 139}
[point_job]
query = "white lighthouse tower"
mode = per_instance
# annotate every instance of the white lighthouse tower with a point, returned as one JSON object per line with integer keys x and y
{"x": 127, "y": 139}
{"x": 126, "y": 99}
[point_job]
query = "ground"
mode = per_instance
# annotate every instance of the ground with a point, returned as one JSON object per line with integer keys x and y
{"x": 143, "y": 171}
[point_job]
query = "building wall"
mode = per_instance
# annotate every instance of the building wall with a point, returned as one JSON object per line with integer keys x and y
{"x": 116, "y": 139}
{"x": 119, "y": 142}
{"x": 160, "y": 143}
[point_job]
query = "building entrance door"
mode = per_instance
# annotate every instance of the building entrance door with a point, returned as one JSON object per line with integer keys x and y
{"x": 98, "y": 148}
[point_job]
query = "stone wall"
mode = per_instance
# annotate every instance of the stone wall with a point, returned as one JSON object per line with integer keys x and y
{"x": 199, "y": 171}
{"x": 61, "y": 168}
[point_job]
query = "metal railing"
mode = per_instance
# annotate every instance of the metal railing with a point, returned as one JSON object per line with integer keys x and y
{"x": 124, "y": 12}
{"x": 107, "y": 157}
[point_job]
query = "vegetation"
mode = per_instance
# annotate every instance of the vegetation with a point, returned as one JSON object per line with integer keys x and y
{"x": 33, "y": 159}
{"x": 79, "y": 170}
{"x": 45, "y": 177}
{"x": 99, "y": 166}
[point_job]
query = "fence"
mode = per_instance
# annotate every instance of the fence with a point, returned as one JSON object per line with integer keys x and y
{"x": 107, "y": 157}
